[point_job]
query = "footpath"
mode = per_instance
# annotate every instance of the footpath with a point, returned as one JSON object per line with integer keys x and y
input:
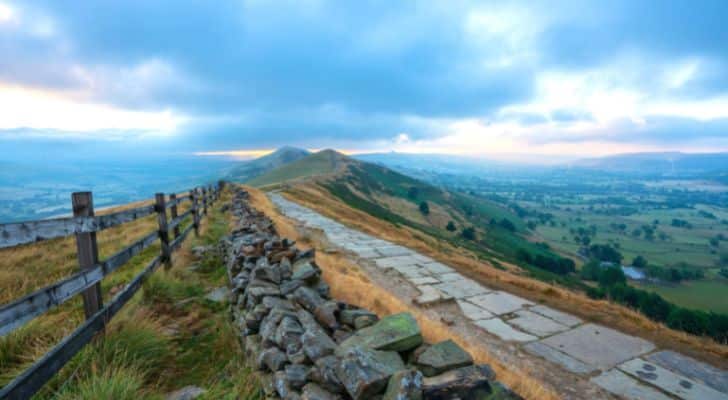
{"x": 577, "y": 358}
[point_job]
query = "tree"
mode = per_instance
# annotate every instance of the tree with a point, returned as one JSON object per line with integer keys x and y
{"x": 605, "y": 252}
{"x": 639, "y": 262}
{"x": 507, "y": 224}
{"x": 450, "y": 226}
{"x": 413, "y": 192}
{"x": 468, "y": 233}
{"x": 611, "y": 276}
{"x": 424, "y": 208}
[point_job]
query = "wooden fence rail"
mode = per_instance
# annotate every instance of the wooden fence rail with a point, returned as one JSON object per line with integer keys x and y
{"x": 87, "y": 282}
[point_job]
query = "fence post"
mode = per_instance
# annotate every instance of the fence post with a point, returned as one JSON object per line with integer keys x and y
{"x": 173, "y": 213}
{"x": 88, "y": 251}
{"x": 161, "y": 208}
{"x": 195, "y": 212}
{"x": 204, "y": 201}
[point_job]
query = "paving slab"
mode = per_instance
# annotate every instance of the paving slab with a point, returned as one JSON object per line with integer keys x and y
{"x": 473, "y": 312}
{"x": 436, "y": 267}
{"x": 670, "y": 382}
{"x": 411, "y": 271}
{"x": 691, "y": 368}
{"x": 449, "y": 277}
{"x": 622, "y": 385}
{"x": 536, "y": 324}
{"x": 369, "y": 254}
{"x": 389, "y": 251}
{"x": 599, "y": 346}
{"x": 567, "y": 362}
{"x": 396, "y": 261}
{"x": 499, "y": 302}
{"x": 427, "y": 280}
{"x": 504, "y": 331}
{"x": 463, "y": 288}
{"x": 558, "y": 316}
{"x": 430, "y": 295}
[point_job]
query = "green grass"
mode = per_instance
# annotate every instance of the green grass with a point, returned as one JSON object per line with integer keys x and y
{"x": 168, "y": 336}
{"x": 684, "y": 245}
{"x": 702, "y": 295}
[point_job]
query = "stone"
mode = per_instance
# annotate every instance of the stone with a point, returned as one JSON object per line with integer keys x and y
{"x": 429, "y": 294}
{"x": 218, "y": 295}
{"x": 404, "y": 385}
{"x": 348, "y": 316}
{"x": 325, "y": 374}
{"x": 288, "y": 334}
{"x": 397, "y": 332}
{"x": 558, "y": 316}
{"x": 473, "y": 312}
{"x": 466, "y": 383}
{"x": 308, "y": 298}
{"x": 622, "y": 385}
{"x": 272, "y": 358}
{"x": 499, "y": 303}
{"x": 598, "y": 346}
{"x": 267, "y": 272}
{"x": 504, "y": 331}
{"x": 670, "y": 382}
{"x": 313, "y": 391}
{"x": 270, "y": 302}
{"x": 288, "y": 287}
{"x": 441, "y": 357}
{"x": 536, "y": 324}
{"x": 325, "y": 314}
{"x": 281, "y": 384}
{"x": 567, "y": 362}
{"x": 364, "y": 321}
{"x": 691, "y": 368}
{"x": 317, "y": 345}
{"x": 296, "y": 375}
{"x": 364, "y": 372}
{"x": 186, "y": 393}
{"x": 305, "y": 271}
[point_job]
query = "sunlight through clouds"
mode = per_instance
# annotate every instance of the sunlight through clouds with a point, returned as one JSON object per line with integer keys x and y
{"x": 36, "y": 109}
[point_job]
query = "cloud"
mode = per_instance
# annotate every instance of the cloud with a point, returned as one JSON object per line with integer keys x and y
{"x": 465, "y": 75}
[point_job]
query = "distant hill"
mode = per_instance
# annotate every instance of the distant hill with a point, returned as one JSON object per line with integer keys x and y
{"x": 322, "y": 163}
{"x": 658, "y": 163}
{"x": 248, "y": 170}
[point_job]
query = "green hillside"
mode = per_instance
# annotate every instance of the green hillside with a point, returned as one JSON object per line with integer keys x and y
{"x": 324, "y": 162}
{"x": 491, "y": 230}
{"x": 248, "y": 170}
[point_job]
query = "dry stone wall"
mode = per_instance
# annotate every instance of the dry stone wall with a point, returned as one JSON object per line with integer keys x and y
{"x": 307, "y": 345}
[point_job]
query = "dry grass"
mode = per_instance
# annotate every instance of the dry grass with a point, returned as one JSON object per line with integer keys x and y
{"x": 24, "y": 269}
{"x": 599, "y": 311}
{"x": 350, "y": 283}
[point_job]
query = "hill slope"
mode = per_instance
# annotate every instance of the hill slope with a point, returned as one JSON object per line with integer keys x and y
{"x": 322, "y": 163}
{"x": 489, "y": 230}
{"x": 259, "y": 166}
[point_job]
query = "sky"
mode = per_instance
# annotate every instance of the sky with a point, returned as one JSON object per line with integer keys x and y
{"x": 551, "y": 78}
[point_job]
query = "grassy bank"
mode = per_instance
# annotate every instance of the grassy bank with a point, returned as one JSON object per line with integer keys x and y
{"x": 167, "y": 337}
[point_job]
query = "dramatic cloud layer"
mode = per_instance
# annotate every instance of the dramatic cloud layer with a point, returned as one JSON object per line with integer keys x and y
{"x": 469, "y": 77}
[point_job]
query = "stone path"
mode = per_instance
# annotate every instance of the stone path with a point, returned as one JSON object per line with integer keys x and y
{"x": 627, "y": 366}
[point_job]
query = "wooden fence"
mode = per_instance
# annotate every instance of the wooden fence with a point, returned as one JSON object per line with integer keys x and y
{"x": 87, "y": 282}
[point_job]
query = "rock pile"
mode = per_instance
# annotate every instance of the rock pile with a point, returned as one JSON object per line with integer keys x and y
{"x": 309, "y": 346}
